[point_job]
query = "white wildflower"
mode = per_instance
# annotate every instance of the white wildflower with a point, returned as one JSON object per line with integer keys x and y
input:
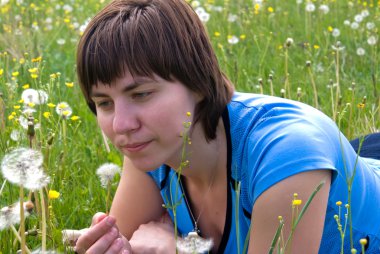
{"x": 10, "y": 215}
{"x": 67, "y": 8}
{"x": 3, "y": 2}
{"x": 354, "y": 25}
{"x": 347, "y": 22}
{"x": 365, "y": 13}
{"x": 48, "y": 20}
{"x": 15, "y": 135}
{"x": 24, "y": 123}
{"x": 63, "y": 109}
{"x": 324, "y": 8}
{"x": 358, "y": 18}
{"x": 233, "y": 39}
{"x": 232, "y": 17}
{"x": 335, "y": 32}
{"x": 61, "y": 41}
{"x": 289, "y": 42}
{"x": 370, "y": 25}
{"x": 372, "y": 40}
{"x": 310, "y": 7}
{"x": 360, "y": 52}
{"x": 107, "y": 172}
{"x": 34, "y": 96}
{"x": 193, "y": 243}
{"x": 23, "y": 166}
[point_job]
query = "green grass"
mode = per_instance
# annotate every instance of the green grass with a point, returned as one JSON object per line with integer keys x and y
{"x": 46, "y": 29}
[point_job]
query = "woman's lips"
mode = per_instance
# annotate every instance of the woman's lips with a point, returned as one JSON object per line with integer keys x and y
{"x": 135, "y": 147}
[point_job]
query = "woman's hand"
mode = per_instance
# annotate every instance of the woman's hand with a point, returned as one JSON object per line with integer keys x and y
{"x": 155, "y": 237}
{"x": 102, "y": 237}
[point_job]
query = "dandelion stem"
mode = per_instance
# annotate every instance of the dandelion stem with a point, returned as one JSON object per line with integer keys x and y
{"x": 314, "y": 87}
{"x": 2, "y": 186}
{"x": 43, "y": 218}
{"x": 22, "y": 220}
{"x": 18, "y": 237}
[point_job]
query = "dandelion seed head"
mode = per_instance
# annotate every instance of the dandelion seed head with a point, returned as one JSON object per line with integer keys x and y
{"x": 193, "y": 243}
{"x": 358, "y": 18}
{"x": 354, "y": 25}
{"x": 34, "y": 96}
{"x": 335, "y": 32}
{"x": 23, "y": 166}
{"x": 63, "y": 109}
{"x": 346, "y": 22}
{"x": 370, "y": 25}
{"x": 324, "y": 8}
{"x": 10, "y": 215}
{"x": 15, "y": 135}
{"x": 310, "y": 7}
{"x": 107, "y": 172}
{"x": 232, "y": 39}
{"x": 360, "y": 52}
{"x": 372, "y": 40}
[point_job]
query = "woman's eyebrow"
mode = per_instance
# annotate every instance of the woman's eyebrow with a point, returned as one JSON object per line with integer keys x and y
{"x": 127, "y": 88}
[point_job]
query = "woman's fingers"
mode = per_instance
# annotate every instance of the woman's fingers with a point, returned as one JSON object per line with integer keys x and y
{"x": 100, "y": 235}
{"x": 98, "y": 217}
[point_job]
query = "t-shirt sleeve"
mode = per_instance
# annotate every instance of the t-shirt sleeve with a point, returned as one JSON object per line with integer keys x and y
{"x": 288, "y": 142}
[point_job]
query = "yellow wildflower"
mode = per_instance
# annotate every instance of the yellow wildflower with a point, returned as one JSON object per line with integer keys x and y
{"x": 363, "y": 241}
{"x": 338, "y": 203}
{"x": 243, "y": 36}
{"x": 188, "y": 113}
{"x": 69, "y": 84}
{"x": 17, "y": 107}
{"x": 66, "y": 112}
{"x": 46, "y": 114}
{"x": 316, "y": 46}
{"x": 270, "y": 9}
{"x": 1, "y": 71}
{"x": 330, "y": 29}
{"x": 297, "y": 202}
{"x": 15, "y": 73}
{"x": 37, "y": 59}
{"x": 31, "y": 104}
{"x": 66, "y": 20}
{"x": 217, "y": 34}
{"x": 53, "y": 194}
{"x": 22, "y": 60}
{"x": 10, "y": 117}
{"x": 53, "y": 76}
{"x": 75, "y": 118}
{"x": 33, "y": 70}
{"x": 34, "y": 76}
{"x": 361, "y": 105}
{"x": 51, "y": 105}
{"x": 26, "y": 86}
{"x": 21, "y": 101}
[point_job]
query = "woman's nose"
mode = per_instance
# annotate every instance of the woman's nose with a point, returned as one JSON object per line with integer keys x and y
{"x": 125, "y": 119}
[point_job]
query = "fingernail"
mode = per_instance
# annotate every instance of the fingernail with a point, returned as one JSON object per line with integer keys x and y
{"x": 125, "y": 252}
{"x": 110, "y": 220}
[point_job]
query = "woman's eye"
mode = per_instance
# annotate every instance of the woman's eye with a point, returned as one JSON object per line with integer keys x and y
{"x": 140, "y": 95}
{"x": 103, "y": 104}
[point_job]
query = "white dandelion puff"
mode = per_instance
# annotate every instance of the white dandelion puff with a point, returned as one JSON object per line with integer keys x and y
{"x": 324, "y": 8}
{"x": 15, "y": 135}
{"x": 335, "y": 32}
{"x": 370, "y": 25}
{"x": 372, "y": 40}
{"x": 233, "y": 39}
{"x": 354, "y": 25}
{"x": 365, "y": 13}
{"x": 34, "y": 96}
{"x": 23, "y": 166}
{"x": 358, "y": 18}
{"x": 360, "y": 52}
{"x": 61, "y": 41}
{"x": 232, "y": 17}
{"x": 24, "y": 122}
{"x": 10, "y": 215}
{"x": 107, "y": 172}
{"x": 193, "y": 243}
{"x": 299, "y": 1}
{"x": 346, "y": 23}
{"x": 310, "y": 7}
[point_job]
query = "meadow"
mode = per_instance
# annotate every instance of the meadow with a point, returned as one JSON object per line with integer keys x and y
{"x": 322, "y": 52}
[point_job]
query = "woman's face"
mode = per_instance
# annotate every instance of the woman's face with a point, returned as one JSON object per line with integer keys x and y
{"x": 143, "y": 118}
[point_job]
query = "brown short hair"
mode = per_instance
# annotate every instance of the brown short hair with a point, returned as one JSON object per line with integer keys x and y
{"x": 164, "y": 37}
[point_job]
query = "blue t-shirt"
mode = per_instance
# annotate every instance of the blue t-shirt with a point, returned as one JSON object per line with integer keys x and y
{"x": 270, "y": 139}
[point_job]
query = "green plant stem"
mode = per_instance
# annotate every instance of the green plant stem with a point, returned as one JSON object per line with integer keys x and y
{"x": 43, "y": 218}
{"x": 22, "y": 221}
{"x": 18, "y": 237}
{"x": 314, "y": 87}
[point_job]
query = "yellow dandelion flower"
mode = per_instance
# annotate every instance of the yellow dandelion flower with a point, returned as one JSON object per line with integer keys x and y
{"x": 69, "y": 84}
{"x": 330, "y": 29}
{"x": 295, "y": 195}
{"x": 75, "y": 118}
{"x": 243, "y": 36}
{"x": 338, "y": 203}
{"x": 46, "y": 114}
{"x": 13, "y": 113}
{"x": 17, "y": 107}
{"x": 257, "y": 7}
{"x": 37, "y": 59}
{"x": 53, "y": 194}
{"x": 31, "y": 104}
{"x": 363, "y": 241}
{"x": 33, "y": 70}
{"x": 270, "y": 9}
{"x": 21, "y": 101}
{"x": 51, "y": 105}
{"x": 188, "y": 114}
{"x": 22, "y": 60}
{"x": 34, "y": 76}
{"x": 217, "y": 34}
{"x": 58, "y": 74}
{"x": 15, "y": 73}
{"x": 53, "y": 76}
{"x": 66, "y": 20}
{"x": 66, "y": 112}
{"x": 279, "y": 218}
{"x": 26, "y": 86}
{"x": 10, "y": 117}
{"x": 361, "y": 105}
{"x": 316, "y": 46}
{"x": 1, "y": 71}
{"x": 297, "y": 202}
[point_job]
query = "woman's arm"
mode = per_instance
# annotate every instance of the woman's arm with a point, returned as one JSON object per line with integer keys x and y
{"x": 137, "y": 200}
{"x": 277, "y": 201}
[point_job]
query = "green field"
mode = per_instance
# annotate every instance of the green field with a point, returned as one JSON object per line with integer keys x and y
{"x": 322, "y": 52}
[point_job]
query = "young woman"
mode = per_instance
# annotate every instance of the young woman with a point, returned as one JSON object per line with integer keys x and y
{"x": 146, "y": 67}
